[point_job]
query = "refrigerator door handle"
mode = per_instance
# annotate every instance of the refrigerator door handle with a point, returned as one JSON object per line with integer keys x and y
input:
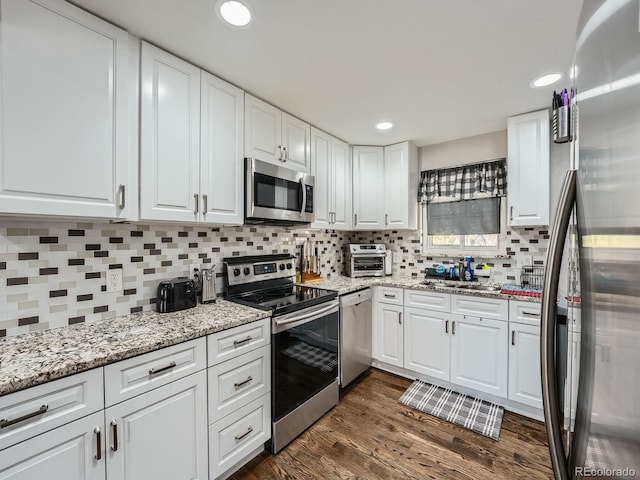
{"x": 548, "y": 326}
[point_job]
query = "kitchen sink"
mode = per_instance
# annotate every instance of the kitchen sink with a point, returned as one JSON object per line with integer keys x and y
{"x": 466, "y": 286}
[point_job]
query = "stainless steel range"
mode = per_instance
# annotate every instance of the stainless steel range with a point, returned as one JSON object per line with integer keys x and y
{"x": 304, "y": 339}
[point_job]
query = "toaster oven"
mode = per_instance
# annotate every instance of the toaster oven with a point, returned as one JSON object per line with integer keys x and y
{"x": 366, "y": 260}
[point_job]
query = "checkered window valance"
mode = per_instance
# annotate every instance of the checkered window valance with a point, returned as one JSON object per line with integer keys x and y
{"x": 464, "y": 182}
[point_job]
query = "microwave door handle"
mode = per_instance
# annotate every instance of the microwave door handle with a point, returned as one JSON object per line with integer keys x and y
{"x": 304, "y": 197}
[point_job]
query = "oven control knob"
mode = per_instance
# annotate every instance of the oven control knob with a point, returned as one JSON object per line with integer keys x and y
{"x": 246, "y": 270}
{"x": 289, "y": 266}
{"x": 281, "y": 266}
{"x": 236, "y": 272}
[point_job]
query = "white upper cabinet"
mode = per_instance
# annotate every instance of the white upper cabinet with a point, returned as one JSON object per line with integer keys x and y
{"x": 169, "y": 137}
{"x": 331, "y": 167}
{"x": 385, "y": 187}
{"x": 368, "y": 185}
{"x": 221, "y": 157}
{"x": 528, "y": 169}
{"x": 191, "y": 143}
{"x": 274, "y": 136}
{"x": 65, "y": 95}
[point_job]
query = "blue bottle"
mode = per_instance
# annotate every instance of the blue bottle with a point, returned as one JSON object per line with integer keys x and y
{"x": 453, "y": 273}
{"x": 468, "y": 271}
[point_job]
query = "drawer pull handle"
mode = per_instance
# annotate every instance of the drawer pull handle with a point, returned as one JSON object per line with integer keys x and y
{"x": 153, "y": 371}
{"x": 243, "y": 383}
{"x": 237, "y": 343}
{"x": 7, "y": 423}
{"x": 446, "y": 326}
{"x": 98, "y": 432}
{"x": 240, "y": 437}
{"x": 114, "y": 433}
{"x": 453, "y": 327}
{"x": 531, "y": 314}
{"x": 513, "y": 337}
{"x": 388, "y": 295}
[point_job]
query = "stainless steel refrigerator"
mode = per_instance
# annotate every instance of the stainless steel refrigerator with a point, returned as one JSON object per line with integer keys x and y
{"x": 604, "y": 187}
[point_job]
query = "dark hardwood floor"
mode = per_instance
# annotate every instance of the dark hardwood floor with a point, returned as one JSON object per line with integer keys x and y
{"x": 370, "y": 435}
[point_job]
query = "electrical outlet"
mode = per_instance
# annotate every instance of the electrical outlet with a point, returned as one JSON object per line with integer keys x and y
{"x": 114, "y": 280}
{"x": 524, "y": 260}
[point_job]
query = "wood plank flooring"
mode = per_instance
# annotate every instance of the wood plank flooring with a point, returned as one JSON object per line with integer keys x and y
{"x": 369, "y": 435}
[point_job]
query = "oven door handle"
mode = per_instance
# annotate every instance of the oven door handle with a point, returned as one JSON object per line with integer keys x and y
{"x": 298, "y": 318}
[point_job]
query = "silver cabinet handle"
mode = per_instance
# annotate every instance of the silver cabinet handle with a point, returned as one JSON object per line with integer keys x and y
{"x": 511, "y": 212}
{"x": 205, "y": 207}
{"x": 237, "y": 343}
{"x": 548, "y": 326}
{"x": 5, "y": 422}
{"x": 196, "y": 197}
{"x": 446, "y": 326}
{"x": 387, "y": 295}
{"x": 98, "y": 432}
{"x": 355, "y": 218}
{"x": 286, "y": 153}
{"x": 386, "y": 219}
{"x": 280, "y": 149}
{"x": 154, "y": 371}
{"x": 114, "y": 435}
{"x": 122, "y": 196}
{"x": 453, "y": 327}
{"x": 240, "y": 437}
{"x": 531, "y": 314}
{"x": 399, "y": 318}
{"x": 513, "y": 337}
{"x": 243, "y": 383}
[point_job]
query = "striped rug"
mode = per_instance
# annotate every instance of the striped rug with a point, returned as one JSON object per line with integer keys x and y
{"x": 471, "y": 413}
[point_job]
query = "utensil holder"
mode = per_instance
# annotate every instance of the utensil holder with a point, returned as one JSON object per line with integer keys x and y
{"x": 561, "y": 121}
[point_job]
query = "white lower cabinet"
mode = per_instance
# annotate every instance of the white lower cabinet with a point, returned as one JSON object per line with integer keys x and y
{"x": 426, "y": 342}
{"x": 70, "y": 452}
{"x": 525, "y": 384}
{"x": 390, "y": 344}
{"x": 479, "y": 354}
{"x": 160, "y": 435}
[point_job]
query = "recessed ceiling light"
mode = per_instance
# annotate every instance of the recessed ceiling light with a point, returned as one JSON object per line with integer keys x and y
{"x": 234, "y": 12}
{"x": 545, "y": 80}
{"x": 384, "y": 125}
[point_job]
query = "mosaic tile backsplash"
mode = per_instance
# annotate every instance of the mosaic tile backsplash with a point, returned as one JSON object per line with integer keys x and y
{"x": 54, "y": 274}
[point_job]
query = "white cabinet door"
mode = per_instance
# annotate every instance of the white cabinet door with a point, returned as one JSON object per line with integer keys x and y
{"x": 262, "y": 130}
{"x": 479, "y": 353}
{"x": 160, "y": 435}
{"x": 528, "y": 167}
{"x": 396, "y": 180}
{"x": 64, "y": 100}
{"x": 426, "y": 342}
{"x": 70, "y": 452}
{"x": 169, "y": 137}
{"x": 221, "y": 151}
{"x": 368, "y": 185}
{"x": 390, "y": 339}
{"x": 341, "y": 185}
{"x": 296, "y": 139}
{"x": 321, "y": 168}
{"x": 525, "y": 384}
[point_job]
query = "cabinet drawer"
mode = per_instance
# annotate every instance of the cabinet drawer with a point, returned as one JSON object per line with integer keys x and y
{"x": 428, "y": 300}
{"x": 524, "y": 312}
{"x": 390, "y": 295}
{"x": 60, "y": 401}
{"x": 131, "y": 377}
{"x": 236, "y": 382}
{"x": 239, "y": 434}
{"x": 480, "y": 307}
{"x": 230, "y": 343}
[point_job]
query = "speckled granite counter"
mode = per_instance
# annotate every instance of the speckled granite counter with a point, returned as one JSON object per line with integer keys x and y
{"x": 38, "y": 357}
{"x": 344, "y": 285}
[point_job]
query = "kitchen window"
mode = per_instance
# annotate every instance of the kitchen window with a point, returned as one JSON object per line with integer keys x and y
{"x": 462, "y": 210}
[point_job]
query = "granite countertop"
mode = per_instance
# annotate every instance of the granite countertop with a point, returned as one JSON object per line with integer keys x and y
{"x": 344, "y": 285}
{"x": 38, "y": 357}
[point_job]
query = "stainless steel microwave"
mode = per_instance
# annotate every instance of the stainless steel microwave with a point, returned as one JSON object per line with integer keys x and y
{"x": 277, "y": 195}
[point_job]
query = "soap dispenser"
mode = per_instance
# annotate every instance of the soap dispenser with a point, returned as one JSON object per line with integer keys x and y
{"x": 468, "y": 271}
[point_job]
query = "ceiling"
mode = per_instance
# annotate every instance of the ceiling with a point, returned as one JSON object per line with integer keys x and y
{"x": 440, "y": 70}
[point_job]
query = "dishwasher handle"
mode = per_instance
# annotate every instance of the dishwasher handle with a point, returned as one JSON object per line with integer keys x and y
{"x": 353, "y": 299}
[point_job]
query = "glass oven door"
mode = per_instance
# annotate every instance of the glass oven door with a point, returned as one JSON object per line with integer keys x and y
{"x": 304, "y": 355}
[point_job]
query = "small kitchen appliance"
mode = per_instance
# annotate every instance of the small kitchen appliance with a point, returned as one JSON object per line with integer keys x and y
{"x": 177, "y": 294}
{"x": 366, "y": 260}
{"x": 208, "y": 277}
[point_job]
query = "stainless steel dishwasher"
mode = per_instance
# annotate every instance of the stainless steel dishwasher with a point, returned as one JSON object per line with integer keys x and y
{"x": 355, "y": 335}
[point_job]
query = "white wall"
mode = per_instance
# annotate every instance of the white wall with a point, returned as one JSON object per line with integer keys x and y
{"x": 464, "y": 150}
